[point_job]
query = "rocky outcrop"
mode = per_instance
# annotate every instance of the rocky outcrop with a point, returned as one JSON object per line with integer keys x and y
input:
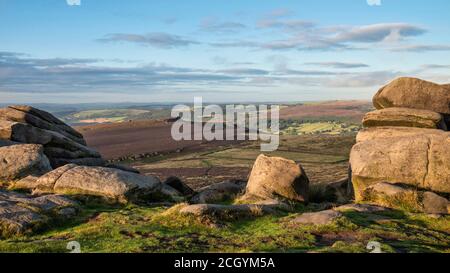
{"x": 22, "y": 214}
{"x": 422, "y": 161}
{"x": 277, "y": 178}
{"x": 62, "y": 144}
{"x": 395, "y": 163}
{"x": 405, "y": 117}
{"x": 414, "y": 93}
{"x": 111, "y": 184}
{"x": 19, "y": 161}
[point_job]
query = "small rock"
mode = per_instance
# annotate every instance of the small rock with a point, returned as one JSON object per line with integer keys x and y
{"x": 325, "y": 217}
{"x": 435, "y": 204}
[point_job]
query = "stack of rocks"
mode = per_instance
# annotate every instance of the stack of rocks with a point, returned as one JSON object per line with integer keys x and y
{"x": 61, "y": 143}
{"x": 402, "y": 158}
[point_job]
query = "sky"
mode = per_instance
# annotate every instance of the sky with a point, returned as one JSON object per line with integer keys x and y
{"x": 78, "y": 51}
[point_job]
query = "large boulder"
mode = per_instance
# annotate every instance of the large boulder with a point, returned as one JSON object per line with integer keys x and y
{"x": 111, "y": 184}
{"x": 393, "y": 132}
{"x": 421, "y": 161}
{"x": 405, "y": 117}
{"x": 414, "y": 93}
{"x": 19, "y": 161}
{"x": 277, "y": 178}
{"x": 21, "y": 214}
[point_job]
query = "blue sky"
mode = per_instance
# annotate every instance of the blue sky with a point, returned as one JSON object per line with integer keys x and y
{"x": 224, "y": 51}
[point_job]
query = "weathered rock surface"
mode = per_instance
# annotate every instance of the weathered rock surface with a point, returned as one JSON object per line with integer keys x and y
{"x": 392, "y": 132}
{"x": 324, "y": 217}
{"x": 405, "y": 198}
{"x": 405, "y": 117}
{"x": 277, "y": 178}
{"x": 414, "y": 93}
{"x": 19, "y": 161}
{"x": 111, "y": 184}
{"x": 13, "y": 113}
{"x": 422, "y": 161}
{"x": 62, "y": 144}
{"x": 220, "y": 192}
{"x": 21, "y": 214}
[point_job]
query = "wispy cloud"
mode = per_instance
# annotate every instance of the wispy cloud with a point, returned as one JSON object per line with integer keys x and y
{"x": 155, "y": 39}
{"x": 212, "y": 24}
{"x": 339, "y": 65}
{"x": 421, "y": 48}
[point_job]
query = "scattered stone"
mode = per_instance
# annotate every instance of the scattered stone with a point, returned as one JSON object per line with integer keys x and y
{"x": 325, "y": 217}
{"x": 405, "y": 117}
{"x": 421, "y": 161}
{"x": 414, "y": 93}
{"x": 217, "y": 193}
{"x": 21, "y": 214}
{"x": 179, "y": 185}
{"x": 277, "y": 178}
{"x": 435, "y": 204}
{"x": 19, "y": 161}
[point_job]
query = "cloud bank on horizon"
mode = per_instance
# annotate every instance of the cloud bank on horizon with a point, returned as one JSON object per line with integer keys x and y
{"x": 248, "y": 50}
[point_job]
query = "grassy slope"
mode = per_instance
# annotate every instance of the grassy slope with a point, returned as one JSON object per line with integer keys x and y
{"x": 139, "y": 229}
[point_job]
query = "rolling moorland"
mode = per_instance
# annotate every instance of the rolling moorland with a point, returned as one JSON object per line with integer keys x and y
{"x": 320, "y": 136}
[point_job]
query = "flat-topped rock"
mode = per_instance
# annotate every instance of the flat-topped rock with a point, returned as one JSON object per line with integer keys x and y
{"x": 111, "y": 184}
{"x": 414, "y": 93}
{"x": 405, "y": 117}
{"x": 373, "y": 133}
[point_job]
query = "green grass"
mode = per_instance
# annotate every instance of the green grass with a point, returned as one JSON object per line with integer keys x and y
{"x": 140, "y": 229}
